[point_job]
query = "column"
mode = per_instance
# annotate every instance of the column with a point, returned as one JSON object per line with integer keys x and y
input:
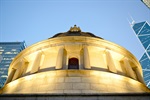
{"x": 18, "y": 68}
{"x": 102, "y": 60}
{"x": 110, "y": 62}
{"x": 24, "y": 66}
{"x": 139, "y": 76}
{"x": 86, "y": 59}
{"x": 17, "y": 73}
{"x": 59, "y": 62}
{"x": 36, "y": 63}
{"x": 10, "y": 76}
{"x": 128, "y": 68}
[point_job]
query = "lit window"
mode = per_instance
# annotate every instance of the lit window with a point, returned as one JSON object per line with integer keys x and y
{"x": 1, "y": 50}
{"x": 7, "y": 59}
{"x": 13, "y": 49}
{"x": 8, "y": 53}
{"x": 3, "y": 68}
{"x": 15, "y": 52}
{"x": 4, "y": 76}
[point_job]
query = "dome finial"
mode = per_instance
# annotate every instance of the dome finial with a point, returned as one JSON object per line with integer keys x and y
{"x": 75, "y": 29}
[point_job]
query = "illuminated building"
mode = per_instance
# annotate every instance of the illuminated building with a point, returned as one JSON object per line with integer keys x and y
{"x": 142, "y": 31}
{"x": 74, "y": 64}
{"x": 8, "y": 50}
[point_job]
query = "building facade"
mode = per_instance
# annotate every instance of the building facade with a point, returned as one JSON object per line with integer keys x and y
{"x": 142, "y": 31}
{"x": 74, "y": 62}
{"x": 8, "y": 50}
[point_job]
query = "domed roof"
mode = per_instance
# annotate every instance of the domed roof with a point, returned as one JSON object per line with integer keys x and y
{"x": 75, "y": 31}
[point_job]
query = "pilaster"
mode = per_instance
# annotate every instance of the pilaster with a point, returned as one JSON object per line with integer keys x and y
{"x": 36, "y": 63}
{"x": 128, "y": 68}
{"x": 59, "y": 62}
{"x": 86, "y": 58}
{"x": 110, "y": 62}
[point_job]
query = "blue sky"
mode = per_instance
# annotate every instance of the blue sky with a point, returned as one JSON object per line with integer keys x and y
{"x": 36, "y": 20}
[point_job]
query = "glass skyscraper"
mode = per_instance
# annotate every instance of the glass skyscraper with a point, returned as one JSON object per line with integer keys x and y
{"x": 142, "y": 31}
{"x": 8, "y": 50}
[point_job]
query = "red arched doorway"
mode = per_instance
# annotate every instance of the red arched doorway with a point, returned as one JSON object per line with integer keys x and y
{"x": 73, "y": 63}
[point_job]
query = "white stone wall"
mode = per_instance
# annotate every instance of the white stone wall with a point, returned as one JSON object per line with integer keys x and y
{"x": 74, "y": 81}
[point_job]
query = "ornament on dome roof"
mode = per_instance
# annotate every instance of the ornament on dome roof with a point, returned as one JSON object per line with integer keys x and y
{"x": 75, "y": 29}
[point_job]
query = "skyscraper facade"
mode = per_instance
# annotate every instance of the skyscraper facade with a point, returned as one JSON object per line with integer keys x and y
{"x": 142, "y": 31}
{"x": 8, "y": 50}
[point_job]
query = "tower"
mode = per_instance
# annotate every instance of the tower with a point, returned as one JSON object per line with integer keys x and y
{"x": 8, "y": 50}
{"x": 142, "y": 31}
